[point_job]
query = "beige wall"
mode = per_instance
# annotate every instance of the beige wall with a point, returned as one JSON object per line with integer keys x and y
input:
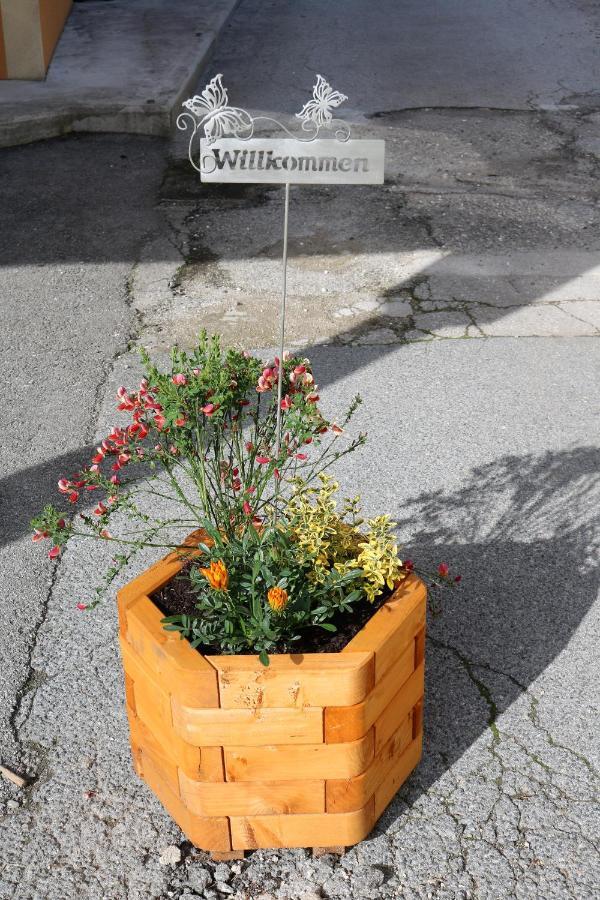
{"x": 31, "y": 29}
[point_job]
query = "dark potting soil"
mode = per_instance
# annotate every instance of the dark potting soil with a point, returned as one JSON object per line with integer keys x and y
{"x": 178, "y": 598}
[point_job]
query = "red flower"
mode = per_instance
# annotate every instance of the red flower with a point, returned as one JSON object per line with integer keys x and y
{"x": 54, "y": 552}
{"x": 160, "y": 421}
{"x": 210, "y": 408}
{"x": 39, "y": 535}
{"x": 408, "y": 565}
{"x": 181, "y": 421}
{"x": 301, "y": 456}
{"x": 81, "y": 606}
{"x": 249, "y": 446}
{"x": 100, "y": 509}
{"x": 263, "y": 460}
{"x": 73, "y": 496}
{"x": 458, "y": 579}
{"x": 286, "y": 402}
{"x": 443, "y": 569}
{"x": 337, "y": 429}
{"x": 247, "y": 508}
{"x": 64, "y": 486}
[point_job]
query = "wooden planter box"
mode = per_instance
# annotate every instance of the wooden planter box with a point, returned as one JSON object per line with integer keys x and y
{"x": 305, "y": 753}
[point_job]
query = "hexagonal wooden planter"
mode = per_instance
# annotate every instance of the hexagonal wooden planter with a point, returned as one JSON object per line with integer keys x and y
{"x": 305, "y": 753}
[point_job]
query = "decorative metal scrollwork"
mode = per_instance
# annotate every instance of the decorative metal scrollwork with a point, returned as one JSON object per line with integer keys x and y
{"x": 210, "y": 111}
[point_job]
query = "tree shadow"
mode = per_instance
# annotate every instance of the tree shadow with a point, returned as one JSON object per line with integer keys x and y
{"x": 525, "y": 535}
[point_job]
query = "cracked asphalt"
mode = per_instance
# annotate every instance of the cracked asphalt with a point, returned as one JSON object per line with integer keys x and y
{"x": 462, "y": 300}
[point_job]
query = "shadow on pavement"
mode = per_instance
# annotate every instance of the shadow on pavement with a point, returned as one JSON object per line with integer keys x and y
{"x": 525, "y": 534}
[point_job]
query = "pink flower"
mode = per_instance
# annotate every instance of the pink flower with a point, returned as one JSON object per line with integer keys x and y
{"x": 249, "y": 446}
{"x": 276, "y": 474}
{"x": 64, "y": 486}
{"x": 337, "y": 429}
{"x": 443, "y": 569}
{"x": 179, "y": 378}
{"x": 115, "y": 479}
{"x": 54, "y": 552}
{"x": 210, "y": 408}
{"x": 81, "y": 606}
{"x": 39, "y": 535}
{"x": 250, "y": 490}
{"x": 263, "y": 460}
{"x": 247, "y": 508}
{"x": 312, "y": 398}
{"x": 301, "y": 456}
{"x": 106, "y": 534}
{"x": 160, "y": 421}
{"x": 286, "y": 403}
{"x": 196, "y": 372}
{"x": 267, "y": 380}
{"x": 181, "y": 421}
{"x": 100, "y": 509}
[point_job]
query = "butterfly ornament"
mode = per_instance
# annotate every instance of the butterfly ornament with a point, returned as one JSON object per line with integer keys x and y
{"x": 317, "y": 112}
{"x": 212, "y": 108}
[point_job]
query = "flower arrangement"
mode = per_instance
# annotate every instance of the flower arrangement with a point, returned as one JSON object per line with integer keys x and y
{"x": 280, "y": 558}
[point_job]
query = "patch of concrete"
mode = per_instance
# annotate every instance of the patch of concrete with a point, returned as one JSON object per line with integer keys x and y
{"x": 123, "y": 66}
{"x": 528, "y": 321}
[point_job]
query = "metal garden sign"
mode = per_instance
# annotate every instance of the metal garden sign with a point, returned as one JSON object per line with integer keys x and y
{"x": 228, "y": 152}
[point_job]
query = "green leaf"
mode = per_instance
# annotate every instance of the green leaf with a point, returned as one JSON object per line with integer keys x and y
{"x": 264, "y": 657}
{"x": 327, "y": 626}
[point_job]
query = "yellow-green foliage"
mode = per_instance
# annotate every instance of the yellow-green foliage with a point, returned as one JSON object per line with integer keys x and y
{"x": 332, "y": 540}
{"x": 378, "y": 557}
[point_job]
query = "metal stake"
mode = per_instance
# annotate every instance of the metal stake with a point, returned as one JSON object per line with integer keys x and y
{"x": 282, "y": 319}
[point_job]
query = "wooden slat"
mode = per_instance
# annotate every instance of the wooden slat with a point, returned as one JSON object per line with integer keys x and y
{"x": 352, "y": 722}
{"x": 311, "y": 679}
{"x": 179, "y": 667}
{"x": 207, "y": 833}
{"x": 310, "y": 830}
{"x": 345, "y": 795}
{"x": 419, "y": 647}
{"x": 287, "y": 761}
{"x": 248, "y": 727}
{"x": 244, "y": 798}
{"x": 153, "y": 706}
{"x": 395, "y": 712}
{"x": 393, "y": 626}
{"x": 398, "y": 774}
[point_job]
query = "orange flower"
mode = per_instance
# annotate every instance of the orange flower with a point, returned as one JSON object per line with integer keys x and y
{"x": 278, "y": 599}
{"x": 217, "y": 575}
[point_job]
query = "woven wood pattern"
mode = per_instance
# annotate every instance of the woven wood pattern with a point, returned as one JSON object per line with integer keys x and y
{"x": 305, "y": 753}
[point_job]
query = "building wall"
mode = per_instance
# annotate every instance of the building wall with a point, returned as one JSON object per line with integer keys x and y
{"x": 31, "y": 29}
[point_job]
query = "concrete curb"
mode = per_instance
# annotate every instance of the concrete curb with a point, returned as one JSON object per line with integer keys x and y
{"x": 143, "y": 58}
